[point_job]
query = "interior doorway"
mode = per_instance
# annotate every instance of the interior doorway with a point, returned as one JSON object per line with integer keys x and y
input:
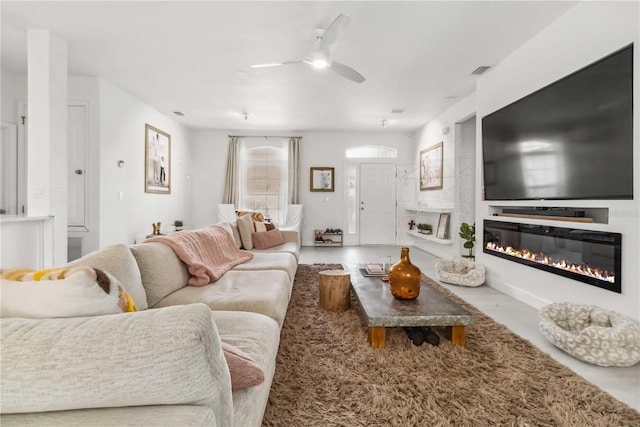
{"x": 377, "y": 205}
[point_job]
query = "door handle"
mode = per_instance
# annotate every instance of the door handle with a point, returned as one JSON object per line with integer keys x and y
{"x": 79, "y": 171}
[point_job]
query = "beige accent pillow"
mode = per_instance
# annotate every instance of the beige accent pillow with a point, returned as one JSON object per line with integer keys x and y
{"x": 161, "y": 270}
{"x": 245, "y": 227}
{"x": 119, "y": 261}
{"x": 245, "y": 372}
{"x": 259, "y": 226}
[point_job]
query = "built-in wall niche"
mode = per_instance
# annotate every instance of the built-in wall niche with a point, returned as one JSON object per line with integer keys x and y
{"x": 567, "y": 214}
{"x": 432, "y": 217}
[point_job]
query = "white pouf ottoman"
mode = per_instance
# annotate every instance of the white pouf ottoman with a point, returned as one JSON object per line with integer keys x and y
{"x": 592, "y": 334}
{"x": 461, "y": 272}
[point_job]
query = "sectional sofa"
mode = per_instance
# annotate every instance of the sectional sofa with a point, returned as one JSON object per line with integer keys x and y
{"x": 163, "y": 365}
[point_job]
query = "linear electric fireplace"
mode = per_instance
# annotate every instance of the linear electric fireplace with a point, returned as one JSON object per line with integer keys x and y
{"x": 591, "y": 257}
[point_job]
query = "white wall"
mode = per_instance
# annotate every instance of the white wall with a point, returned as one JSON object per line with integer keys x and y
{"x": 321, "y": 210}
{"x": 447, "y": 197}
{"x": 126, "y": 211}
{"x": 586, "y": 33}
{"x": 328, "y": 149}
{"x": 208, "y": 170}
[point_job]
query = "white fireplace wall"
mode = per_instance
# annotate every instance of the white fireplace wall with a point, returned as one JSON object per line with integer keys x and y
{"x": 578, "y": 38}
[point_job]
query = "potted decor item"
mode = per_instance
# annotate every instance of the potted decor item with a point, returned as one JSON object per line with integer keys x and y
{"x": 178, "y": 224}
{"x": 404, "y": 278}
{"x": 424, "y": 228}
{"x": 468, "y": 233}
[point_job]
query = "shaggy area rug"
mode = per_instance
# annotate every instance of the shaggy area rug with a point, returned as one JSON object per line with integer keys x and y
{"x": 328, "y": 375}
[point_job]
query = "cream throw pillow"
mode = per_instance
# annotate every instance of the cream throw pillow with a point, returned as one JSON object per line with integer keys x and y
{"x": 245, "y": 227}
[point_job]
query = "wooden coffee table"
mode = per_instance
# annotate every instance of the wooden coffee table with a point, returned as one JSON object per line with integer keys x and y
{"x": 380, "y": 310}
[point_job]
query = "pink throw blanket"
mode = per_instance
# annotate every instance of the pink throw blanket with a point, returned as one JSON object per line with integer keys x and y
{"x": 208, "y": 252}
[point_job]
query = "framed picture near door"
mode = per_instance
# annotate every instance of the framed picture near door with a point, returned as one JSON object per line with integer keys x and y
{"x": 431, "y": 167}
{"x": 157, "y": 161}
{"x": 322, "y": 179}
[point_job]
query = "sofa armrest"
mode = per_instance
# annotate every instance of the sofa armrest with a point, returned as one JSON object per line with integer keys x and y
{"x": 290, "y": 235}
{"x": 168, "y": 356}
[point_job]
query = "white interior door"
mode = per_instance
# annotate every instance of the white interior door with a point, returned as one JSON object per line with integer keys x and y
{"x": 377, "y": 204}
{"x": 77, "y": 141}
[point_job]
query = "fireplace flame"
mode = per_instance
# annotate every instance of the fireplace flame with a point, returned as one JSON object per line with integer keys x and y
{"x": 541, "y": 258}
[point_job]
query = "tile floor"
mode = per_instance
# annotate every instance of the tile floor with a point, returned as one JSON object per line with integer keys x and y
{"x": 522, "y": 319}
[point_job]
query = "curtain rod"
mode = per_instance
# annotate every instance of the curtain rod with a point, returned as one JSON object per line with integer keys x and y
{"x": 263, "y": 136}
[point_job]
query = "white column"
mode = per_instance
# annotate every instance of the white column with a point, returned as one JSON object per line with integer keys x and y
{"x": 47, "y": 191}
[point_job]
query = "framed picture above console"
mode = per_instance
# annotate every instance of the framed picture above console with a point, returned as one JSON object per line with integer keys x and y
{"x": 431, "y": 167}
{"x": 157, "y": 165}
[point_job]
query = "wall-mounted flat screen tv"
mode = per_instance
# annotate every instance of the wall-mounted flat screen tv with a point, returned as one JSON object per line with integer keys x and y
{"x": 572, "y": 139}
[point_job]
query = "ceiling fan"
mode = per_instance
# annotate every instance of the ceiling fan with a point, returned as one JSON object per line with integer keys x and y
{"x": 321, "y": 58}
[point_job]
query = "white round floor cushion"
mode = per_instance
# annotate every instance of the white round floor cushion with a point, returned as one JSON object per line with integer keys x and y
{"x": 592, "y": 334}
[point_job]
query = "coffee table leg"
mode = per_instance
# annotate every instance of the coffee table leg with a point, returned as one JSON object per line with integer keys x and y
{"x": 376, "y": 336}
{"x": 457, "y": 335}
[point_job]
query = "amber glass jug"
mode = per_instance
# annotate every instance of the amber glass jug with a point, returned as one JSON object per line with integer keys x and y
{"x": 404, "y": 277}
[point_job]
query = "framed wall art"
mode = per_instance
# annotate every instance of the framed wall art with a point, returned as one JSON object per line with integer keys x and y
{"x": 322, "y": 179}
{"x": 443, "y": 226}
{"x": 431, "y": 167}
{"x": 157, "y": 161}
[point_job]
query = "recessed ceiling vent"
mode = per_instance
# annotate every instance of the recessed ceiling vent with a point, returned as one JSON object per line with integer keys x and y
{"x": 397, "y": 111}
{"x": 481, "y": 69}
{"x": 178, "y": 113}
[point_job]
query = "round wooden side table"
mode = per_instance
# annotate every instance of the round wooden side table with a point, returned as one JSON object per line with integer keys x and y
{"x": 334, "y": 290}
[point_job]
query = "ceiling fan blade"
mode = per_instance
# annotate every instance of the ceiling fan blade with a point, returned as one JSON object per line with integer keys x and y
{"x": 333, "y": 33}
{"x": 274, "y": 64}
{"x": 347, "y": 72}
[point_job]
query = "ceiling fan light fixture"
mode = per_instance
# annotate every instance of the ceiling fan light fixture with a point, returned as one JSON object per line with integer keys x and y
{"x": 320, "y": 60}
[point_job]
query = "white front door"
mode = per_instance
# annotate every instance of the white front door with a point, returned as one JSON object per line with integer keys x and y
{"x": 377, "y": 204}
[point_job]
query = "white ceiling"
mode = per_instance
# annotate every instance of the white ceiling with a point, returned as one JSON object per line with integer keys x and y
{"x": 194, "y": 57}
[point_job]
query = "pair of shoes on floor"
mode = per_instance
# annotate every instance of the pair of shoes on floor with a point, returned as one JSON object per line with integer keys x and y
{"x": 420, "y": 334}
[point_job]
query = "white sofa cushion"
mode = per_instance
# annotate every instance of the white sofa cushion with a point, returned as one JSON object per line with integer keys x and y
{"x": 129, "y": 359}
{"x": 266, "y": 293}
{"x": 270, "y": 261}
{"x": 118, "y": 261}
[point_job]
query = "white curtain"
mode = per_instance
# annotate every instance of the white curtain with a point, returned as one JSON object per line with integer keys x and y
{"x": 232, "y": 181}
{"x": 293, "y": 170}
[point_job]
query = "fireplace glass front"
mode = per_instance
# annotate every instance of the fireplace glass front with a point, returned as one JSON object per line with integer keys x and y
{"x": 592, "y": 257}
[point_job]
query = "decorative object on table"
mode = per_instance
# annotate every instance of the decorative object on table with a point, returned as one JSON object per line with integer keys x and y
{"x": 412, "y": 224}
{"x": 404, "y": 277}
{"x": 424, "y": 228}
{"x": 431, "y": 161}
{"x": 156, "y": 228}
{"x": 443, "y": 226}
{"x": 322, "y": 179}
{"x": 157, "y": 165}
{"x": 468, "y": 233}
{"x": 178, "y": 224}
{"x": 462, "y": 272}
{"x": 592, "y": 334}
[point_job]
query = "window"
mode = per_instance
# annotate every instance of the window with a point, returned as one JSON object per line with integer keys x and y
{"x": 372, "y": 152}
{"x": 263, "y": 177}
